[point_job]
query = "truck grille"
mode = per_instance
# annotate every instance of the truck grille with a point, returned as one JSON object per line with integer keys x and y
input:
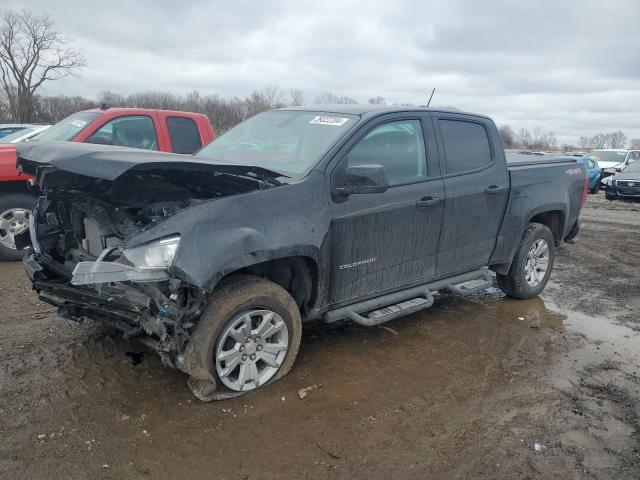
{"x": 625, "y": 183}
{"x": 94, "y": 241}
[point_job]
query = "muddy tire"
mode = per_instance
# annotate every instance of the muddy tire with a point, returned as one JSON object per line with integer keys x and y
{"x": 531, "y": 265}
{"x": 15, "y": 209}
{"x": 610, "y": 196}
{"x": 223, "y": 333}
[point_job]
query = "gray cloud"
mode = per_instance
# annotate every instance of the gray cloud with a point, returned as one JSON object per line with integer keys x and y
{"x": 570, "y": 67}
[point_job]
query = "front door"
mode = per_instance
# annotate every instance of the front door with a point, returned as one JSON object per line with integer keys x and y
{"x": 476, "y": 186}
{"x": 382, "y": 241}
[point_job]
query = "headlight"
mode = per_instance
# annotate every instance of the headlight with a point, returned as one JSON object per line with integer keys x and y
{"x": 158, "y": 254}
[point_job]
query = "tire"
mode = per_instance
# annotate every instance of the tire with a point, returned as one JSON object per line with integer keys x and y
{"x": 610, "y": 196}
{"x": 15, "y": 209}
{"x": 596, "y": 188}
{"x": 227, "y": 305}
{"x": 515, "y": 284}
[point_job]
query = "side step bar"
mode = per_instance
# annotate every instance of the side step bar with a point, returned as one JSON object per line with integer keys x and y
{"x": 405, "y": 302}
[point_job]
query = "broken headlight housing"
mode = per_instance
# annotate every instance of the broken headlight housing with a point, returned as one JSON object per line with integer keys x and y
{"x": 154, "y": 255}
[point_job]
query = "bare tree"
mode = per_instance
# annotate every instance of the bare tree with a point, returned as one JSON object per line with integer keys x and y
{"x": 635, "y": 143}
{"x": 507, "y": 135}
{"x": 329, "y": 98}
{"x": 524, "y": 137}
{"x": 110, "y": 99}
{"x": 32, "y": 52}
{"x": 617, "y": 139}
{"x": 296, "y": 97}
{"x": 584, "y": 142}
{"x": 599, "y": 140}
{"x": 377, "y": 101}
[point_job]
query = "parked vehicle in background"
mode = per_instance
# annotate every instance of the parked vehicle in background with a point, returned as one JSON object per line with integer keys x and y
{"x": 594, "y": 172}
{"x": 161, "y": 130}
{"x": 613, "y": 160}
{"x": 625, "y": 184}
{"x": 9, "y": 128}
{"x": 24, "y": 135}
{"x": 343, "y": 212}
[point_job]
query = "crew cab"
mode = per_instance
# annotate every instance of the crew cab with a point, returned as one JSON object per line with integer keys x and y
{"x": 357, "y": 213}
{"x": 159, "y": 130}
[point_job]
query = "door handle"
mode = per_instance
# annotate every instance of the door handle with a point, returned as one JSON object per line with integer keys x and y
{"x": 427, "y": 202}
{"x": 494, "y": 190}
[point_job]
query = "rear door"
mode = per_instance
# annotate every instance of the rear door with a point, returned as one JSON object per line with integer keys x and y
{"x": 476, "y": 185}
{"x": 184, "y": 135}
{"x": 382, "y": 241}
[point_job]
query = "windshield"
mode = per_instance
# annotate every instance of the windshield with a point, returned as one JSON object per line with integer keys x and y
{"x": 16, "y": 135}
{"x": 285, "y": 141}
{"x": 607, "y": 156}
{"x": 66, "y": 129}
{"x": 633, "y": 167}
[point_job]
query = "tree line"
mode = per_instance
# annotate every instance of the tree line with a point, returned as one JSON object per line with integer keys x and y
{"x": 539, "y": 140}
{"x": 223, "y": 111}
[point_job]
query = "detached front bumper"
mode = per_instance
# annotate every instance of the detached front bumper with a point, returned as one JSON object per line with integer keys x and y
{"x": 122, "y": 306}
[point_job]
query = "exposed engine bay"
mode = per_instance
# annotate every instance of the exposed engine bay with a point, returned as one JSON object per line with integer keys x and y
{"x": 80, "y": 230}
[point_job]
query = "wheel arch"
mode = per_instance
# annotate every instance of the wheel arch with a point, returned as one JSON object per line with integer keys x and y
{"x": 554, "y": 220}
{"x": 297, "y": 271}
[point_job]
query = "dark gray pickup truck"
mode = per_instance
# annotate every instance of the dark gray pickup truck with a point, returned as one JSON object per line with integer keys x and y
{"x": 335, "y": 213}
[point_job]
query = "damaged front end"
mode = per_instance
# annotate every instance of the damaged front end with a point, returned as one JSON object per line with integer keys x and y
{"x": 86, "y": 258}
{"x": 79, "y": 263}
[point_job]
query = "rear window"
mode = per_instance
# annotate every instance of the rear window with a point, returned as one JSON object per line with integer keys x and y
{"x": 466, "y": 145}
{"x": 185, "y": 137}
{"x": 67, "y": 129}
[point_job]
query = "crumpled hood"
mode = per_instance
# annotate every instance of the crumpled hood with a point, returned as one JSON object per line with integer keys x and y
{"x": 603, "y": 164}
{"x": 108, "y": 162}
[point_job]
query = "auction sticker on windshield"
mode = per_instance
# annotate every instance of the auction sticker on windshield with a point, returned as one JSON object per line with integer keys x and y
{"x": 326, "y": 120}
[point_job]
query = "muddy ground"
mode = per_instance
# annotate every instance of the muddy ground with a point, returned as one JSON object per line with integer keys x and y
{"x": 464, "y": 390}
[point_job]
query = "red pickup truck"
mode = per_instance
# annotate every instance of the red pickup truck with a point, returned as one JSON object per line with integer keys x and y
{"x": 161, "y": 130}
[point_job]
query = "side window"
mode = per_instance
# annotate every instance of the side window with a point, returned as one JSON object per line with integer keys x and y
{"x": 185, "y": 137}
{"x": 136, "y": 131}
{"x": 398, "y": 147}
{"x": 466, "y": 145}
{"x": 591, "y": 163}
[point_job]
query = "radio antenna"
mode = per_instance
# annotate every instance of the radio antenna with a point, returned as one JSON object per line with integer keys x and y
{"x": 432, "y": 92}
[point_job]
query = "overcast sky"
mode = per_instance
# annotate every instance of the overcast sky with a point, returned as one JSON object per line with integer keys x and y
{"x": 572, "y": 67}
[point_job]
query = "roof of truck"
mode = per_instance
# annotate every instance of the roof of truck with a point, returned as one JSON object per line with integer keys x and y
{"x": 356, "y": 109}
{"x": 136, "y": 109}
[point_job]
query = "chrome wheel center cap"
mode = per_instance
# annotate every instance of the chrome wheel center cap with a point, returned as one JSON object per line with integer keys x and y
{"x": 250, "y": 349}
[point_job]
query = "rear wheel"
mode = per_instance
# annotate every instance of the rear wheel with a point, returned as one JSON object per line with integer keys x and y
{"x": 532, "y": 264}
{"x": 15, "y": 213}
{"x": 248, "y": 337}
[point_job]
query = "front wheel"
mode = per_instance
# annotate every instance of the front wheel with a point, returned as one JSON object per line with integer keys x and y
{"x": 595, "y": 188}
{"x": 610, "y": 196}
{"x": 532, "y": 264}
{"x": 15, "y": 211}
{"x": 248, "y": 337}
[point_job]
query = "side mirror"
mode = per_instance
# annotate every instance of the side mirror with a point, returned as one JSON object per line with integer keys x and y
{"x": 359, "y": 179}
